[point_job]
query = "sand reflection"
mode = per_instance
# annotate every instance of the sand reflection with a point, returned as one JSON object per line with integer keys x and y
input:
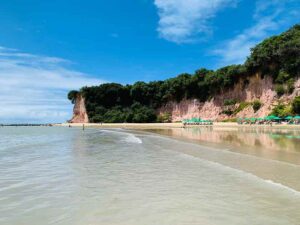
{"x": 278, "y": 144}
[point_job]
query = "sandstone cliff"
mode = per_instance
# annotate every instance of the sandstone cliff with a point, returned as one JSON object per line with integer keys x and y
{"x": 245, "y": 91}
{"x": 79, "y": 111}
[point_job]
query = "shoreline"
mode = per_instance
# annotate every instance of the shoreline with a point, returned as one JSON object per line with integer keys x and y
{"x": 146, "y": 126}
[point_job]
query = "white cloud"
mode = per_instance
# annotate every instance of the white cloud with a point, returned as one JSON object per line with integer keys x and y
{"x": 34, "y": 88}
{"x": 181, "y": 20}
{"x": 269, "y": 17}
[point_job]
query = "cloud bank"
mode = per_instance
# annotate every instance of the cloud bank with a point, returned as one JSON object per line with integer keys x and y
{"x": 181, "y": 20}
{"x": 34, "y": 88}
{"x": 268, "y": 17}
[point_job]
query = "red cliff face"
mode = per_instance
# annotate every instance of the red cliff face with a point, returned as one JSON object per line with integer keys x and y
{"x": 79, "y": 111}
{"x": 246, "y": 90}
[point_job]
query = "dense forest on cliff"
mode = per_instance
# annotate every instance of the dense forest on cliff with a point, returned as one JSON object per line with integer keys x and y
{"x": 277, "y": 56}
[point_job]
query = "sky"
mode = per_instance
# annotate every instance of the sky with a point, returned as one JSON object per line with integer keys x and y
{"x": 50, "y": 47}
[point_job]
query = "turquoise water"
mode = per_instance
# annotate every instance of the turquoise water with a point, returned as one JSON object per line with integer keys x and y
{"x": 53, "y": 175}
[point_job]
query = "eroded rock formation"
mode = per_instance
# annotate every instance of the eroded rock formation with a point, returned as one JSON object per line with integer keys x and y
{"x": 79, "y": 111}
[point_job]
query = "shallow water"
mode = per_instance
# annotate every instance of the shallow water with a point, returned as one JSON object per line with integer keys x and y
{"x": 69, "y": 176}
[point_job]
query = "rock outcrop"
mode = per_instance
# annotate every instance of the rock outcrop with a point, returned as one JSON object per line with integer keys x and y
{"x": 79, "y": 111}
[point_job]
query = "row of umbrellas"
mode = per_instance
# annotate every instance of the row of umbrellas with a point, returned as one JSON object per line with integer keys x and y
{"x": 196, "y": 120}
{"x": 269, "y": 118}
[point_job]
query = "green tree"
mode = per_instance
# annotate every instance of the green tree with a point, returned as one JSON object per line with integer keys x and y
{"x": 72, "y": 95}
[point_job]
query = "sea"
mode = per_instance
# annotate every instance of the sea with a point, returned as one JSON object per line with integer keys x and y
{"x": 192, "y": 176}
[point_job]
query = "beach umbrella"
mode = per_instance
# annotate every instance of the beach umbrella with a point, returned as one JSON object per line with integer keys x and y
{"x": 193, "y": 120}
{"x": 288, "y": 118}
{"x": 252, "y": 119}
{"x": 297, "y": 117}
{"x": 275, "y": 135}
{"x": 290, "y": 136}
{"x": 272, "y": 117}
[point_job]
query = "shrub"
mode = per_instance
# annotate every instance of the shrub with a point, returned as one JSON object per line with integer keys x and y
{"x": 241, "y": 107}
{"x": 227, "y": 112}
{"x": 229, "y": 102}
{"x": 282, "y": 110}
{"x": 165, "y": 118}
{"x": 279, "y": 90}
{"x": 296, "y": 105}
{"x": 256, "y": 105}
{"x": 290, "y": 85}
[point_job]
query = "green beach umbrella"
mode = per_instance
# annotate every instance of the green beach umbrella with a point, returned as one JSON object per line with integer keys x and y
{"x": 288, "y": 118}
{"x": 297, "y": 117}
{"x": 272, "y": 117}
{"x": 275, "y": 135}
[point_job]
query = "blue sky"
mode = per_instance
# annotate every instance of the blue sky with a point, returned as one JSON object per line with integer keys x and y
{"x": 50, "y": 47}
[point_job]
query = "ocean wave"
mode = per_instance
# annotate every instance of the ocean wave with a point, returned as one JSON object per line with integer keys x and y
{"x": 279, "y": 185}
{"x": 249, "y": 175}
{"x": 129, "y": 137}
{"x": 133, "y": 139}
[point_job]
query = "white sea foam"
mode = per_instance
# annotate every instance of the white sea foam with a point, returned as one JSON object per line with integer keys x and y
{"x": 133, "y": 139}
{"x": 128, "y": 137}
{"x": 281, "y": 186}
{"x": 244, "y": 173}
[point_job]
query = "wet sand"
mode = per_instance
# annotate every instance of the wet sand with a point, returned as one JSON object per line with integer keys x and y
{"x": 145, "y": 126}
